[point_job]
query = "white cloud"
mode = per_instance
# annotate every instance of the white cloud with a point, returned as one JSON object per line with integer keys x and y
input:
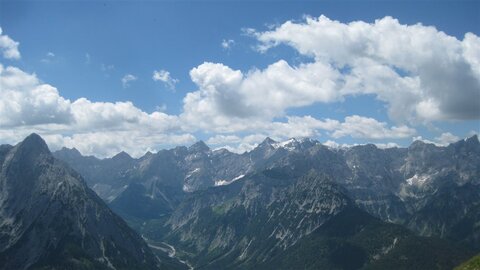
{"x": 107, "y": 144}
{"x": 230, "y": 101}
{"x": 226, "y": 95}
{"x": 333, "y": 144}
{"x": 369, "y": 128}
{"x": 446, "y": 138}
{"x": 127, "y": 79}
{"x": 101, "y": 128}
{"x": 8, "y": 47}
{"x": 165, "y": 77}
{"x": 24, "y": 100}
{"x": 431, "y": 77}
{"x": 387, "y": 145}
{"x": 299, "y": 127}
{"x": 473, "y": 133}
{"x": 420, "y": 138}
{"x": 227, "y": 44}
{"x": 223, "y": 139}
{"x": 235, "y": 143}
{"x": 353, "y": 126}
{"x": 422, "y": 74}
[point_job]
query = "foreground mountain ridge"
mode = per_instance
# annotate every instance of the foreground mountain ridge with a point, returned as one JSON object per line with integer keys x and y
{"x": 50, "y": 219}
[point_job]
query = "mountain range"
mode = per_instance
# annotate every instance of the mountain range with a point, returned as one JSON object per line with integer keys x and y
{"x": 296, "y": 204}
{"x": 427, "y": 189}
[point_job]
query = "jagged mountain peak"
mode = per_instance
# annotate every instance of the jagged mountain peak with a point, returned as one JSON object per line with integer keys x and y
{"x": 34, "y": 142}
{"x": 419, "y": 144}
{"x": 147, "y": 155}
{"x": 199, "y": 146}
{"x": 72, "y": 150}
{"x": 473, "y": 140}
{"x": 267, "y": 141}
{"x": 470, "y": 144}
{"x": 122, "y": 156}
{"x": 29, "y": 153}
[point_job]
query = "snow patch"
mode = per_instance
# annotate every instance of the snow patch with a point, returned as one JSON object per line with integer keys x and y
{"x": 191, "y": 173}
{"x": 226, "y": 182}
{"x": 285, "y": 144}
{"x": 417, "y": 180}
{"x": 291, "y": 144}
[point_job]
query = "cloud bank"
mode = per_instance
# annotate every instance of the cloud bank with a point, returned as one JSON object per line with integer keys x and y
{"x": 422, "y": 75}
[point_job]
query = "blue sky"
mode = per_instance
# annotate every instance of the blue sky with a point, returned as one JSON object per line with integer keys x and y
{"x": 84, "y": 49}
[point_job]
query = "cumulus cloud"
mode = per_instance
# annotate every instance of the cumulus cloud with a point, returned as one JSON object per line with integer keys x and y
{"x": 8, "y": 47}
{"x": 353, "y": 126}
{"x": 227, "y": 95}
{"x": 364, "y": 127}
{"x": 100, "y": 128}
{"x": 333, "y": 144}
{"x": 234, "y": 143}
{"x": 430, "y": 77}
{"x": 446, "y": 139}
{"x": 422, "y": 74}
{"x": 24, "y": 100}
{"x": 230, "y": 101}
{"x": 127, "y": 79}
{"x": 165, "y": 77}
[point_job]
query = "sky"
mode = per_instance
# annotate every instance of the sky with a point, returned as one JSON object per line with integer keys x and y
{"x": 137, "y": 76}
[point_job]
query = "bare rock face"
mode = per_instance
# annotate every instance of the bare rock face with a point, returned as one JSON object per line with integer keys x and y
{"x": 273, "y": 220}
{"x": 49, "y": 218}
